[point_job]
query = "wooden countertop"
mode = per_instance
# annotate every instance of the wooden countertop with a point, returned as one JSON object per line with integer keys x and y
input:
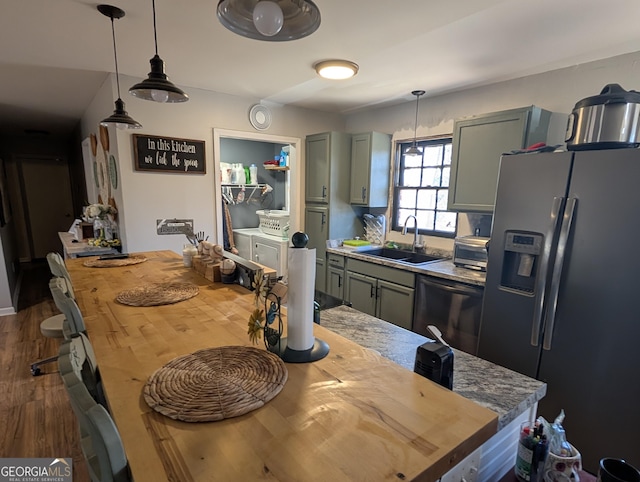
{"x": 352, "y": 416}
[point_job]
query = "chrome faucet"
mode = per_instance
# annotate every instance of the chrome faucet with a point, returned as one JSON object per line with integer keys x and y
{"x": 415, "y": 231}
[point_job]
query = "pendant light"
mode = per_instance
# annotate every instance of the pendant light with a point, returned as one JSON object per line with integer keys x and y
{"x": 157, "y": 86}
{"x": 119, "y": 118}
{"x": 414, "y": 150}
{"x": 270, "y": 20}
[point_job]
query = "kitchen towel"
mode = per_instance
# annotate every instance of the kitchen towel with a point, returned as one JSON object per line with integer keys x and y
{"x": 302, "y": 275}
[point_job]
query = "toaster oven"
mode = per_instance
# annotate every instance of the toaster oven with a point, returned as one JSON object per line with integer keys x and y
{"x": 470, "y": 252}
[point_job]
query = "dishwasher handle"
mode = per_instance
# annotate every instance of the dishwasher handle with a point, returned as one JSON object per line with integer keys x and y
{"x": 452, "y": 287}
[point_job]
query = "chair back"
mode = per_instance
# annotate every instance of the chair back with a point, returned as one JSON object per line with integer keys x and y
{"x": 74, "y": 322}
{"x": 100, "y": 440}
{"x": 59, "y": 270}
{"x": 76, "y": 357}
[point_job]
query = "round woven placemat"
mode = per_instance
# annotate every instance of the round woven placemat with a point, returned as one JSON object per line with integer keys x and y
{"x": 112, "y": 263}
{"x": 157, "y": 294}
{"x": 215, "y": 383}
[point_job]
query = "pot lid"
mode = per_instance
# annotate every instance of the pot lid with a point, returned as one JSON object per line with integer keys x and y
{"x": 611, "y": 94}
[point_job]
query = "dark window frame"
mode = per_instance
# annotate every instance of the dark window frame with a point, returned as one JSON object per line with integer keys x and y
{"x": 401, "y": 147}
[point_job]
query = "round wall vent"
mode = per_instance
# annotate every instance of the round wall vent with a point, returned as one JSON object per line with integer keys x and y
{"x": 260, "y": 117}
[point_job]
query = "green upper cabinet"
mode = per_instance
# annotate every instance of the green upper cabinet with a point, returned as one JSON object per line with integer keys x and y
{"x": 478, "y": 144}
{"x": 370, "y": 165}
{"x": 327, "y": 157}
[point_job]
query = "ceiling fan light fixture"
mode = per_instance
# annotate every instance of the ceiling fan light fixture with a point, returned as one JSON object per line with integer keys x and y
{"x": 157, "y": 87}
{"x": 336, "y": 69}
{"x": 119, "y": 118}
{"x": 414, "y": 150}
{"x": 270, "y": 20}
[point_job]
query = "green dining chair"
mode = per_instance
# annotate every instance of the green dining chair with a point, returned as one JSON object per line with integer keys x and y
{"x": 63, "y": 298}
{"x": 56, "y": 325}
{"x": 76, "y": 357}
{"x": 59, "y": 270}
{"x": 99, "y": 437}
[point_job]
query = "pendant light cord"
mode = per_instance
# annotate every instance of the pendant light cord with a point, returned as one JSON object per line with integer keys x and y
{"x": 155, "y": 34}
{"x": 415, "y": 125}
{"x": 115, "y": 55}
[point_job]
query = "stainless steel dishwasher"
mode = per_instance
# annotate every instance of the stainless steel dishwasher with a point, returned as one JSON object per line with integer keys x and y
{"x": 454, "y": 308}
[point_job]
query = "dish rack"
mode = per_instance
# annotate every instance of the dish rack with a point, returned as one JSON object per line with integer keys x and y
{"x": 374, "y": 228}
{"x": 273, "y": 221}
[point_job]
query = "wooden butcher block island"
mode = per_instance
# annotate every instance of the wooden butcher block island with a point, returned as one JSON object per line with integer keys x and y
{"x": 353, "y": 415}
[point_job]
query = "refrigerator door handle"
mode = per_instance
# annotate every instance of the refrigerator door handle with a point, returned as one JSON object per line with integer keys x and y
{"x": 541, "y": 280}
{"x": 557, "y": 272}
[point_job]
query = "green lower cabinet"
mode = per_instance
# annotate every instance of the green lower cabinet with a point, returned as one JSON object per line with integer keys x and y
{"x": 321, "y": 275}
{"x": 395, "y": 304}
{"x": 388, "y": 301}
{"x": 361, "y": 292}
{"x": 335, "y": 282}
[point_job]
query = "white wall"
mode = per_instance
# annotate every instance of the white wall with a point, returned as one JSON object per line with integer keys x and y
{"x": 143, "y": 197}
{"x": 556, "y": 91}
{"x": 8, "y": 275}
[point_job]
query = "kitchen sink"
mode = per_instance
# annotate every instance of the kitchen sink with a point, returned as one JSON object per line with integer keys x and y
{"x": 401, "y": 255}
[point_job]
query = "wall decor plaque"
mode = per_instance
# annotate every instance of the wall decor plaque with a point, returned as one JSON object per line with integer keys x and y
{"x": 168, "y": 154}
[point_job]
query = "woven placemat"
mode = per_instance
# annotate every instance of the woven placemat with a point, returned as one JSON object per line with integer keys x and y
{"x": 157, "y": 294}
{"x": 112, "y": 263}
{"x": 215, "y": 383}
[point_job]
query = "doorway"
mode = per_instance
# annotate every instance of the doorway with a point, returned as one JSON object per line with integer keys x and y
{"x": 48, "y": 206}
{"x": 290, "y": 181}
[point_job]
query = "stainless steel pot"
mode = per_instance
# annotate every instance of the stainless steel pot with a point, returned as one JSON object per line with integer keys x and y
{"x": 606, "y": 121}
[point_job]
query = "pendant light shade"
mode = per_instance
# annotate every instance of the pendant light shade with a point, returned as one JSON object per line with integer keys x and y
{"x": 270, "y": 20}
{"x": 119, "y": 118}
{"x": 157, "y": 86}
{"x": 414, "y": 150}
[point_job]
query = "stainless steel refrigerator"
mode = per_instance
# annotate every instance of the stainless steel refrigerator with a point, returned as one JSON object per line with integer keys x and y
{"x": 562, "y": 297}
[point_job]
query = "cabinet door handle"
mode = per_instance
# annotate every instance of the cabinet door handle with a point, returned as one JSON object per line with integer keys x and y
{"x": 373, "y": 291}
{"x": 339, "y": 281}
{"x": 364, "y": 193}
{"x": 323, "y": 220}
{"x": 324, "y": 191}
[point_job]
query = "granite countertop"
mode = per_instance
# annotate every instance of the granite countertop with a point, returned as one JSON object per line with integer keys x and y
{"x": 504, "y": 391}
{"x": 442, "y": 269}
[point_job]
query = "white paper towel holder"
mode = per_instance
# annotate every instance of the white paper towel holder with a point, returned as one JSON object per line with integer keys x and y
{"x": 320, "y": 348}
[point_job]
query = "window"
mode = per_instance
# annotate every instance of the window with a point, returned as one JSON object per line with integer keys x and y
{"x": 422, "y": 187}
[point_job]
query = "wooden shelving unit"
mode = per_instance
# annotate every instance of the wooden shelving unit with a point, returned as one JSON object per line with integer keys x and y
{"x": 276, "y": 168}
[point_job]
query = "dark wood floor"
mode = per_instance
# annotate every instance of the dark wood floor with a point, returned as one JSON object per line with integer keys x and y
{"x": 35, "y": 414}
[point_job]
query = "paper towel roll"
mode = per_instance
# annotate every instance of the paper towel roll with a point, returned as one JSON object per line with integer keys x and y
{"x": 300, "y": 293}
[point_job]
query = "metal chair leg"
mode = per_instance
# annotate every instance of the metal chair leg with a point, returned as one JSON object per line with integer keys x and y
{"x": 35, "y": 370}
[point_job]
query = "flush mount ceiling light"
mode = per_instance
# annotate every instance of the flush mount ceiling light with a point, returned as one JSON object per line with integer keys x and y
{"x": 414, "y": 150}
{"x": 336, "y": 69}
{"x": 119, "y": 118}
{"x": 157, "y": 86}
{"x": 271, "y": 20}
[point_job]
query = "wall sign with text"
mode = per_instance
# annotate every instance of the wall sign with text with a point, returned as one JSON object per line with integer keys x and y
{"x": 168, "y": 154}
